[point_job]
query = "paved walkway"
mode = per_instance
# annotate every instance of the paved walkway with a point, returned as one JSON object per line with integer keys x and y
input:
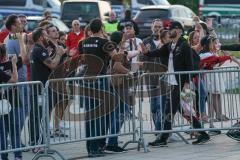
{"x": 219, "y": 148}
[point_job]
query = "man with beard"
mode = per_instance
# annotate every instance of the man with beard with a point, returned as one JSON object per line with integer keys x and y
{"x": 53, "y": 45}
{"x": 41, "y": 67}
{"x": 178, "y": 57}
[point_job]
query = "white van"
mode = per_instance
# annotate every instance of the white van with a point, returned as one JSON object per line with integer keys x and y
{"x": 84, "y": 11}
{"x": 29, "y": 7}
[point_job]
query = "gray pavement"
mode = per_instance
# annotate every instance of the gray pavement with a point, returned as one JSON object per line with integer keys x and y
{"x": 219, "y": 148}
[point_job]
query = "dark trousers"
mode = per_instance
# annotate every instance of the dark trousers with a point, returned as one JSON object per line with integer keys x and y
{"x": 35, "y": 119}
{"x": 95, "y": 126}
{"x": 118, "y": 115}
{"x": 172, "y": 106}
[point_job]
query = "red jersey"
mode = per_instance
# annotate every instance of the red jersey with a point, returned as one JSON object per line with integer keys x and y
{"x": 73, "y": 39}
{"x": 3, "y": 34}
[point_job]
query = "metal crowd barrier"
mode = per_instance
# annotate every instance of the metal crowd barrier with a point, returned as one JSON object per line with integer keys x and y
{"x": 104, "y": 107}
{"x": 99, "y": 107}
{"x": 23, "y": 124}
{"x": 216, "y": 107}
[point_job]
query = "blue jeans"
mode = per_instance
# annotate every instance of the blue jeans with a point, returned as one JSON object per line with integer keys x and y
{"x": 25, "y": 98}
{"x": 95, "y": 126}
{"x": 11, "y": 125}
{"x": 157, "y": 105}
{"x": 157, "y": 109}
{"x": 202, "y": 94}
{"x": 117, "y": 118}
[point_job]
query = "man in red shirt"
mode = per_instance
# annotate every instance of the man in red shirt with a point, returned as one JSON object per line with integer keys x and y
{"x": 3, "y": 31}
{"x": 74, "y": 36}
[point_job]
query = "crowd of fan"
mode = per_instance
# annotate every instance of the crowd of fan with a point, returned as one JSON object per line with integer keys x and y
{"x": 33, "y": 56}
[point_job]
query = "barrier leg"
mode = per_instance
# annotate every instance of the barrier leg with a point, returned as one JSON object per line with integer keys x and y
{"x": 184, "y": 140}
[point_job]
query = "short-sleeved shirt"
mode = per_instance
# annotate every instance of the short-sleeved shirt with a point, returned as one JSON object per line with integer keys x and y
{"x": 39, "y": 71}
{"x": 4, "y": 77}
{"x": 6, "y": 70}
{"x": 95, "y": 46}
{"x": 13, "y": 48}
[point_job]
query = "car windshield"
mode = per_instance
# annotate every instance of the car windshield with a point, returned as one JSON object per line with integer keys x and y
{"x": 32, "y": 24}
{"x": 81, "y": 11}
{"x": 164, "y": 2}
{"x": 152, "y": 14}
{"x": 61, "y": 26}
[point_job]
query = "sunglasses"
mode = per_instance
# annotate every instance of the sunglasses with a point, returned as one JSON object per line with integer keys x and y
{"x": 76, "y": 24}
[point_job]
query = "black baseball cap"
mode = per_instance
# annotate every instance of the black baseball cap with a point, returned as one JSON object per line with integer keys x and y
{"x": 176, "y": 25}
{"x": 128, "y": 24}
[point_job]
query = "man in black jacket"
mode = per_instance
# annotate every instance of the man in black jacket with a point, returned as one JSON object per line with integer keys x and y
{"x": 178, "y": 57}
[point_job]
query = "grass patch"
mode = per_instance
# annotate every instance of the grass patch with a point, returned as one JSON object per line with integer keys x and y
{"x": 236, "y": 53}
{"x": 233, "y": 91}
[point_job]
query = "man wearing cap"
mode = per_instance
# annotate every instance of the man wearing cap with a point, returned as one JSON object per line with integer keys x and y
{"x": 178, "y": 57}
{"x": 132, "y": 45}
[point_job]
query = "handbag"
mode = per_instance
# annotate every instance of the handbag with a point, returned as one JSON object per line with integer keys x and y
{"x": 5, "y": 106}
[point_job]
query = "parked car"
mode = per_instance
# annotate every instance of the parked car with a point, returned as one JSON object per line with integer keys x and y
{"x": 213, "y": 8}
{"x": 168, "y": 14}
{"x": 84, "y": 11}
{"x": 135, "y": 5}
{"x": 29, "y": 7}
{"x": 33, "y": 22}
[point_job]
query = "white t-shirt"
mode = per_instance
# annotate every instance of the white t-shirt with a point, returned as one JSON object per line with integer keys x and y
{"x": 156, "y": 42}
{"x": 171, "y": 78}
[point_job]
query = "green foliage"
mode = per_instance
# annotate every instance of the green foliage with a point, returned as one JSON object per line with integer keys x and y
{"x": 192, "y": 4}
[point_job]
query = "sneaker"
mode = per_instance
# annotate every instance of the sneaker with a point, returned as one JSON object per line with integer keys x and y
{"x": 25, "y": 150}
{"x": 203, "y": 138}
{"x": 38, "y": 150}
{"x": 64, "y": 125}
{"x": 94, "y": 154}
{"x": 58, "y": 133}
{"x": 204, "y": 118}
{"x": 157, "y": 143}
{"x": 114, "y": 148}
{"x": 214, "y": 133}
{"x": 234, "y": 135}
{"x": 18, "y": 158}
{"x": 222, "y": 117}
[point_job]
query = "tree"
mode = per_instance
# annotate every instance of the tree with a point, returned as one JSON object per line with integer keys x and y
{"x": 192, "y": 4}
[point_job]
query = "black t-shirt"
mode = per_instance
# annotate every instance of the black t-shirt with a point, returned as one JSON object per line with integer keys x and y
{"x": 39, "y": 71}
{"x": 6, "y": 70}
{"x": 95, "y": 46}
{"x": 4, "y": 77}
